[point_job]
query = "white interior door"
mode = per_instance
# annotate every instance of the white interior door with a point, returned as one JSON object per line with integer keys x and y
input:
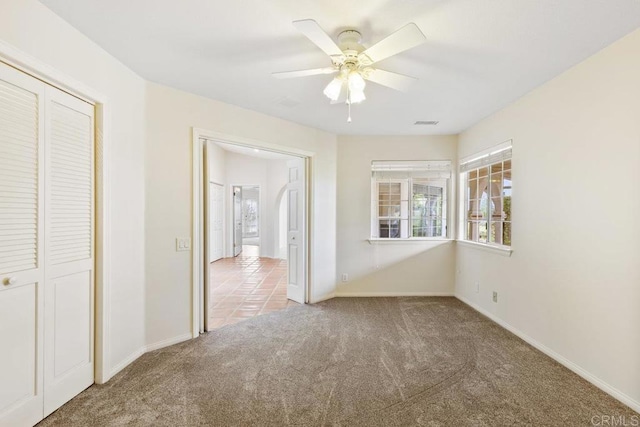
{"x": 296, "y": 225}
{"x": 69, "y": 248}
{"x": 216, "y": 234}
{"x": 213, "y": 213}
{"x": 21, "y": 248}
{"x": 237, "y": 220}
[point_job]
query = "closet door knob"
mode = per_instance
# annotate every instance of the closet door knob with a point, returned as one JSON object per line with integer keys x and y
{"x": 10, "y": 281}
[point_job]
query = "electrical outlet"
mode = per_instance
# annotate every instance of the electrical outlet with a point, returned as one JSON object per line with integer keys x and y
{"x": 345, "y": 277}
{"x": 477, "y": 287}
{"x": 495, "y": 296}
{"x": 183, "y": 244}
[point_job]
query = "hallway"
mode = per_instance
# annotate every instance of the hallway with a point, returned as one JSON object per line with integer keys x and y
{"x": 246, "y": 286}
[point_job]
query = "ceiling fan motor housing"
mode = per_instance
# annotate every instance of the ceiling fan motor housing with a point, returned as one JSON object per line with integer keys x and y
{"x": 349, "y": 43}
{"x": 350, "y": 40}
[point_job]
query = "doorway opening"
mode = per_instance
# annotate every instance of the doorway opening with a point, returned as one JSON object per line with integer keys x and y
{"x": 255, "y": 232}
{"x": 246, "y": 214}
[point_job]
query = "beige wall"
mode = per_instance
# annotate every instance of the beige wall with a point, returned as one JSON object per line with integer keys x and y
{"x": 216, "y": 156}
{"x": 417, "y": 268}
{"x": 35, "y": 30}
{"x": 170, "y": 117}
{"x": 573, "y": 281}
{"x": 277, "y": 179}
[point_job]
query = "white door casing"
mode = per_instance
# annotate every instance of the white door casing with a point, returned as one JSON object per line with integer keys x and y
{"x": 296, "y": 225}
{"x": 21, "y": 248}
{"x": 237, "y": 220}
{"x": 69, "y": 248}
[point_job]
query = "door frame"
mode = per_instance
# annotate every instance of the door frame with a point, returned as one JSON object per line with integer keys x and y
{"x": 26, "y": 63}
{"x": 197, "y": 221}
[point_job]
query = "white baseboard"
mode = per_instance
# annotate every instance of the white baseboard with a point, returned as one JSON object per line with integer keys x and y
{"x": 126, "y": 362}
{"x": 155, "y": 346}
{"x": 169, "y": 341}
{"x": 393, "y": 294}
{"x": 602, "y": 385}
{"x": 323, "y": 298}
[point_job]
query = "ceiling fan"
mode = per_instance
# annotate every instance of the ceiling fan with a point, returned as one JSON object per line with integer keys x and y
{"x": 354, "y": 63}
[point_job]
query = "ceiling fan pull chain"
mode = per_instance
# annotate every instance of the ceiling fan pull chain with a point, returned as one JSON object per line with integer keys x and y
{"x": 349, "y": 104}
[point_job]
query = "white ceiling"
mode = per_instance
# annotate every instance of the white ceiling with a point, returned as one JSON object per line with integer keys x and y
{"x": 480, "y": 55}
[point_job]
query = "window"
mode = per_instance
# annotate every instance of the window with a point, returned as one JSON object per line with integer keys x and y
{"x": 409, "y": 199}
{"x": 487, "y": 197}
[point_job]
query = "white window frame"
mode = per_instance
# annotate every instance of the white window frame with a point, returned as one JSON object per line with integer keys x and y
{"x": 486, "y": 158}
{"x": 405, "y": 184}
{"x": 407, "y": 191}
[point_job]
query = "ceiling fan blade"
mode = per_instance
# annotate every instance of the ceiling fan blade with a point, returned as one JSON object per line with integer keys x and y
{"x": 304, "y": 73}
{"x": 405, "y": 38}
{"x": 393, "y": 80}
{"x": 312, "y": 30}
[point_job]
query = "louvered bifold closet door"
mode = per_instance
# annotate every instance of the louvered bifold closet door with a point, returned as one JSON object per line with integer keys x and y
{"x": 69, "y": 290}
{"x": 21, "y": 248}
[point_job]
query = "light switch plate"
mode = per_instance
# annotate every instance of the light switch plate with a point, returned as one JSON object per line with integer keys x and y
{"x": 183, "y": 244}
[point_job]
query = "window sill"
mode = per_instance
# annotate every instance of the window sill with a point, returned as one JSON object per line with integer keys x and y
{"x": 416, "y": 240}
{"x": 500, "y": 250}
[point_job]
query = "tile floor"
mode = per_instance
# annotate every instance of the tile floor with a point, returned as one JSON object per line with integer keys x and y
{"x": 246, "y": 286}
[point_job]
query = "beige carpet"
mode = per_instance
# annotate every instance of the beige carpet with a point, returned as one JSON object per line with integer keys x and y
{"x": 367, "y": 361}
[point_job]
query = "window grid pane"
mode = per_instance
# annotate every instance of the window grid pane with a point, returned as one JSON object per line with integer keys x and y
{"x": 410, "y": 208}
{"x": 427, "y": 214}
{"x": 488, "y": 204}
{"x": 392, "y": 209}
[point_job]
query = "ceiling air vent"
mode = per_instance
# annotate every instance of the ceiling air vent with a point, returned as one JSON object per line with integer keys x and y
{"x": 426, "y": 122}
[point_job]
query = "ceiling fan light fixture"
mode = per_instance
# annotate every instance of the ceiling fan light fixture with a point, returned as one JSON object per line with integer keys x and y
{"x": 356, "y": 82}
{"x": 332, "y": 91}
{"x": 357, "y": 96}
